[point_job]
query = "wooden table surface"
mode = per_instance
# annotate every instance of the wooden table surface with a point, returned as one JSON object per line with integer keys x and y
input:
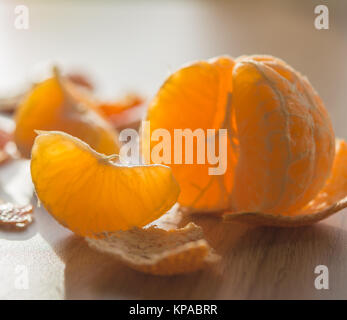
{"x": 257, "y": 263}
{"x": 135, "y": 45}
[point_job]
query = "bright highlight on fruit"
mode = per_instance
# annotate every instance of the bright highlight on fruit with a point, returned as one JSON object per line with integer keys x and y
{"x": 89, "y": 193}
{"x": 281, "y": 144}
{"x": 51, "y": 105}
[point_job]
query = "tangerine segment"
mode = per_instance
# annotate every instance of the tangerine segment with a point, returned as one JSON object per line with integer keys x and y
{"x": 157, "y": 251}
{"x": 331, "y": 199}
{"x": 286, "y": 141}
{"x": 50, "y": 106}
{"x": 88, "y": 193}
{"x": 195, "y": 97}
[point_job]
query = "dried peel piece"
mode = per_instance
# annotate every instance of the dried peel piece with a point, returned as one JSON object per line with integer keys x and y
{"x": 81, "y": 80}
{"x": 5, "y": 139}
{"x": 157, "y": 251}
{"x": 129, "y": 101}
{"x": 303, "y": 219}
{"x": 17, "y": 216}
{"x": 331, "y": 199}
{"x": 124, "y": 113}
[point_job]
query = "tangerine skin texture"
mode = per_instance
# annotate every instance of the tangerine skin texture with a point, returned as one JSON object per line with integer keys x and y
{"x": 281, "y": 143}
{"x": 89, "y": 194}
{"x": 50, "y": 106}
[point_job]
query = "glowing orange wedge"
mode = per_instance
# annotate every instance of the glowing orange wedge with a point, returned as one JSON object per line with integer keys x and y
{"x": 53, "y": 105}
{"x": 88, "y": 193}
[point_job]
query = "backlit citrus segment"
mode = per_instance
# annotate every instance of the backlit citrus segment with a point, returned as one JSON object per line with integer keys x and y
{"x": 286, "y": 145}
{"x": 195, "y": 97}
{"x": 88, "y": 193}
{"x": 50, "y": 106}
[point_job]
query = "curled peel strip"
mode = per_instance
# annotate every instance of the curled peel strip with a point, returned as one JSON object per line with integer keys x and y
{"x": 331, "y": 199}
{"x": 157, "y": 251}
{"x": 258, "y": 218}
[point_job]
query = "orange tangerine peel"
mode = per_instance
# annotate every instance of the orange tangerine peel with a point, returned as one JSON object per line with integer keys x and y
{"x": 89, "y": 193}
{"x": 112, "y": 109}
{"x": 331, "y": 199}
{"x": 121, "y": 113}
{"x": 281, "y": 144}
{"x": 51, "y": 105}
{"x": 157, "y": 251}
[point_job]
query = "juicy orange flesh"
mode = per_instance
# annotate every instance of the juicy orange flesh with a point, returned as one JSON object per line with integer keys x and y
{"x": 191, "y": 98}
{"x": 89, "y": 194}
{"x": 285, "y": 153}
{"x": 280, "y": 137}
{"x": 49, "y": 106}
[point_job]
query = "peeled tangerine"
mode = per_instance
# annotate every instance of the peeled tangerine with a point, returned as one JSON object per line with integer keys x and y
{"x": 281, "y": 144}
{"x": 53, "y": 105}
{"x": 108, "y": 202}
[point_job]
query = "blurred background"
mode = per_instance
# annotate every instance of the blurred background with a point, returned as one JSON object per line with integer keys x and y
{"x": 134, "y": 45}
